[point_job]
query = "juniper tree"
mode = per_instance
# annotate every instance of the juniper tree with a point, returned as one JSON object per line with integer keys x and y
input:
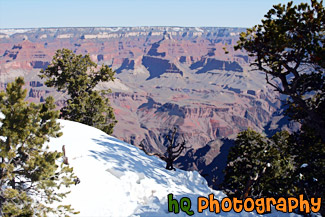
{"x": 78, "y": 76}
{"x": 289, "y": 47}
{"x": 30, "y": 174}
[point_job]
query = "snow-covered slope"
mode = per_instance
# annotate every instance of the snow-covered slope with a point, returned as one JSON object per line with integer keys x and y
{"x": 118, "y": 179}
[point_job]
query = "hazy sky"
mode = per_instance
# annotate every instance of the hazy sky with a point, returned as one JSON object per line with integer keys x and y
{"x": 92, "y": 13}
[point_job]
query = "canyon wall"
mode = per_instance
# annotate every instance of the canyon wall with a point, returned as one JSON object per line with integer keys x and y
{"x": 166, "y": 77}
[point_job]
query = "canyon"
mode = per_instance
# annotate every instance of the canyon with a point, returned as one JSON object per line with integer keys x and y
{"x": 166, "y": 77}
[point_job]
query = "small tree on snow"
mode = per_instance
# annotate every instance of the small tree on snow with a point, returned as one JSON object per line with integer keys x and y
{"x": 174, "y": 150}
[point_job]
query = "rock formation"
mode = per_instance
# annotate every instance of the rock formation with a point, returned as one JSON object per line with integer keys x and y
{"x": 166, "y": 77}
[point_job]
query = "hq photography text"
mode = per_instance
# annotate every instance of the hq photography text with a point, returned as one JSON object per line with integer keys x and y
{"x": 260, "y": 205}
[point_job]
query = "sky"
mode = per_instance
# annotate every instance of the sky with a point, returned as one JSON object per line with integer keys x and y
{"x": 113, "y": 13}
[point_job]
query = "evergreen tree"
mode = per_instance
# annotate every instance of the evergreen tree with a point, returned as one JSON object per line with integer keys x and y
{"x": 258, "y": 166}
{"x": 77, "y": 75}
{"x": 308, "y": 151}
{"x": 289, "y": 47}
{"x": 30, "y": 178}
{"x": 283, "y": 166}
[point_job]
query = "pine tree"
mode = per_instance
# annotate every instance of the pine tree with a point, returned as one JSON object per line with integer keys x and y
{"x": 30, "y": 177}
{"x": 289, "y": 47}
{"x": 308, "y": 151}
{"x": 258, "y": 166}
{"x": 77, "y": 75}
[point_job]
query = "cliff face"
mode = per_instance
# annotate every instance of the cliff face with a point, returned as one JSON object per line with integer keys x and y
{"x": 166, "y": 77}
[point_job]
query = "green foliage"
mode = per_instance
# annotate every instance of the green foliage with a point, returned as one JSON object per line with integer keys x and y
{"x": 30, "y": 178}
{"x": 258, "y": 166}
{"x": 309, "y": 156}
{"x": 77, "y": 75}
{"x": 289, "y": 46}
{"x": 283, "y": 166}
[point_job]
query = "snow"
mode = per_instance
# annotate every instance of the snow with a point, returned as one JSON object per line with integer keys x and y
{"x": 118, "y": 179}
{"x": 14, "y": 31}
{"x": 304, "y": 165}
{"x": 2, "y": 116}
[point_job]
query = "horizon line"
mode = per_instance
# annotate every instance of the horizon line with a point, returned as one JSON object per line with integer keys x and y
{"x": 59, "y": 27}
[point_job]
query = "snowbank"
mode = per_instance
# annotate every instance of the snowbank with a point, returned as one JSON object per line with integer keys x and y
{"x": 118, "y": 179}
